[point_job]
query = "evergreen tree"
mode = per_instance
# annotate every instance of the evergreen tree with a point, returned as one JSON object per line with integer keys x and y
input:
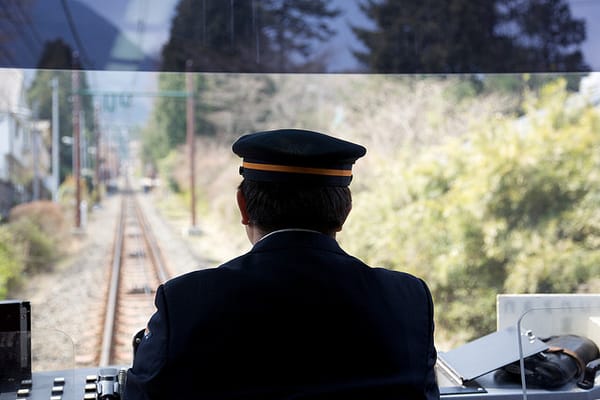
{"x": 294, "y": 25}
{"x": 243, "y": 35}
{"x": 452, "y": 36}
{"x": 170, "y": 112}
{"x": 58, "y": 55}
{"x": 549, "y": 36}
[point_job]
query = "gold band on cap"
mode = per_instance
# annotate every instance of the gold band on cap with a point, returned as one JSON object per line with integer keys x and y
{"x": 297, "y": 170}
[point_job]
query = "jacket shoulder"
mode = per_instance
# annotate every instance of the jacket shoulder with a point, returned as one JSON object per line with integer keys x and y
{"x": 408, "y": 283}
{"x": 217, "y": 274}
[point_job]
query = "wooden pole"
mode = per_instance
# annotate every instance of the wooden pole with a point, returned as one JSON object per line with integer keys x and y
{"x": 76, "y": 144}
{"x": 98, "y": 158}
{"x": 190, "y": 130}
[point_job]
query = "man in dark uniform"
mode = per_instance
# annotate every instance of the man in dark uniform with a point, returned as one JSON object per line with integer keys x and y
{"x": 296, "y": 317}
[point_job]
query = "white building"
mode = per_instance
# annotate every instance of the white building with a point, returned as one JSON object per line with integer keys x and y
{"x": 590, "y": 87}
{"x": 23, "y": 148}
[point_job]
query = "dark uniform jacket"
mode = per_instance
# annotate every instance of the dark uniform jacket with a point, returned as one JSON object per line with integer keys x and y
{"x": 295, "y": 318}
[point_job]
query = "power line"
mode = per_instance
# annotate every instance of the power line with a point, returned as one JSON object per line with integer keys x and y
{"x": 28, "y": 23}
{"x": 10, "y": 17}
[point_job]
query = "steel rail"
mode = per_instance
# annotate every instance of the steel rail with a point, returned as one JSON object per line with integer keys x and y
{"x": 119, "y": 267}
{"x": 111, "y": 304}
{"x": 152, "y": 244}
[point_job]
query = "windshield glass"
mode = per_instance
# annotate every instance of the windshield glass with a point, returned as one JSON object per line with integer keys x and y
{"x": 294, "y": 36}
{"x": 480, "y": 184}
{"x": 117, "y": 120}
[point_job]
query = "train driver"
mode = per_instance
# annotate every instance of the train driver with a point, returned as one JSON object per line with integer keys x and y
{"x": 296, "y": 317}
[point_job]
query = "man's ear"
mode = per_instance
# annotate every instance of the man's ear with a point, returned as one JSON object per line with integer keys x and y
{"x": 241, "y": 201}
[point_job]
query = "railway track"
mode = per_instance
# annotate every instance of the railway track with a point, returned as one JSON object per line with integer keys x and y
{"x": 136, "y": 271}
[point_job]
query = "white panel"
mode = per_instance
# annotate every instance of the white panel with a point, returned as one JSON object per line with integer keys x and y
{"x": 551, "y": 314}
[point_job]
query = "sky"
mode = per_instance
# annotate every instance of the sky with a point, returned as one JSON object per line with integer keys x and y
{"x": 589, "y": 10}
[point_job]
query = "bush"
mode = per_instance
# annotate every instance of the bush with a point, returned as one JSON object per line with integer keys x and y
{"x": 47, "y": 215}
{"x": 511, "y": 207}
{"x": 10, "y": 260}
{"x": 37, "y": 227}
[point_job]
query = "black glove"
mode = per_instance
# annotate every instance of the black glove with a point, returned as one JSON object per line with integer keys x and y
{"x": 137, "y": 339}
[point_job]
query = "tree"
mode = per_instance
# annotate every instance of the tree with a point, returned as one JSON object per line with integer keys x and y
{"x": 167, "y": 128}
{"x": 548, "y": 36}
{"x": 210, "y": 35}
{"x": 508, "y": 207}
{"x": 292, "y": 25}
{"x": 452, "y": 36}
{"x": 57, "y": 55}
{"x": 247, "y": 36}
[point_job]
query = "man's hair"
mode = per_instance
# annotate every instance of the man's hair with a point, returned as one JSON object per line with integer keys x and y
{"x": 273, "y": 205}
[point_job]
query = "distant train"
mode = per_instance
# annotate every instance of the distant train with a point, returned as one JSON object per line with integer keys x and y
{"x": 148, "y": 183}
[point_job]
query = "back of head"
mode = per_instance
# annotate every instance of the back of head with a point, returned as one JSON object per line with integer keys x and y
{"x": 296, "y": 179}
{"x": 273, "y": 205}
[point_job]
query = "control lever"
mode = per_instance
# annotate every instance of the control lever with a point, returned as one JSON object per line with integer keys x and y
{"x": 110, "y": 384}
{"x": 589, "y": 375}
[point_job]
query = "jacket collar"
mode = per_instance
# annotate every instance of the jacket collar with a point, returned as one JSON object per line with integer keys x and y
{"x": 294, "y": 238}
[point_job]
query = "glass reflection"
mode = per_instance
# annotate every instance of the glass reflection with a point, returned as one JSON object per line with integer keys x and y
{"x": 391, "y": 36}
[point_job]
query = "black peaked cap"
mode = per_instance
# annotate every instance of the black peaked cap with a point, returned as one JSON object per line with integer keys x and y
{"x": 297, "y": 156}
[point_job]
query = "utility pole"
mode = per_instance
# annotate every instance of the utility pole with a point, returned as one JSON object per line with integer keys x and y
{"x": 83, "y": 145}
{"x": 97, "y": 163}
{"x": 35, "y": 153}
{"x": 76, "y": 145}
{"x": 191, "y": 143}
{"x": 55, "y": 142}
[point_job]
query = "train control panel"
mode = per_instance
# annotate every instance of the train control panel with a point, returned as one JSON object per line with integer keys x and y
{"x": 106, "y": 383}
{"x": 84, "y": 383}
{"x": 485, "y": 368}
